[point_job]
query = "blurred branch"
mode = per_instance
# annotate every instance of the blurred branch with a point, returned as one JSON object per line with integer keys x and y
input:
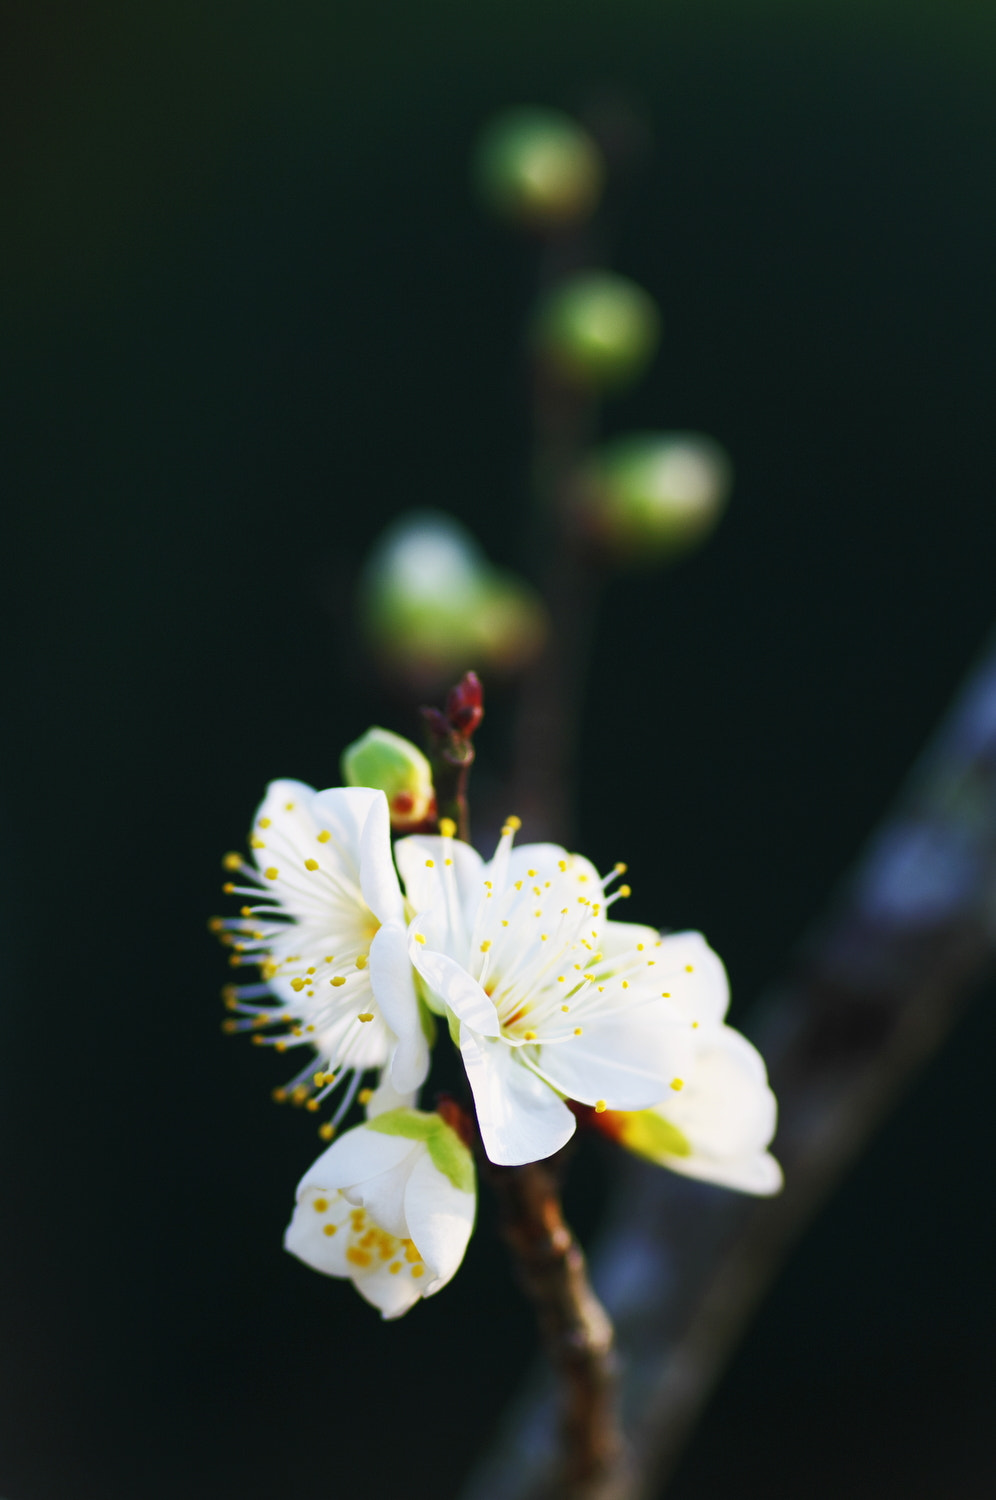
{"x": 681, "y": 1266}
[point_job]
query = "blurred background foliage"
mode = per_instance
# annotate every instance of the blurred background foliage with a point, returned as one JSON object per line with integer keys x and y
{"x": 252, "y": 313}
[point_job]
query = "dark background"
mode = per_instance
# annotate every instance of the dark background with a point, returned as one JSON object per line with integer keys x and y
{"x": 251, "y": 315}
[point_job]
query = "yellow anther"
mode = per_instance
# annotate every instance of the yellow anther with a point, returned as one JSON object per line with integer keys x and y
{"x": 297, "y": 985}
{"x": 565, "y": 1009}
{"x": 329, "y": 1229}
{"x": 418, "y": 1271}
{"x": 245, "y": 911}
{"x": 228, "y": 888}
{"x": 229, "y": 1026}
{"x": 447, "y": 828}
{"x": 411, "y": 1254}
{"x": 364, "y": 1096}
{"x": 485, "y": 945}
{"x": 419, "y": 938}
{"x": 504, "y": 924}
{"x": 677, "y": 1084}
{"x": 447, "y": 861}
{"x": 312, "y": 1106}
{"x": 561, "y": 864}
{"x": 319, "y": 1080}
{"x": 324, "y": 836}
{"x": 578, "y": 1031}
{"x": 299, "y": 1095}
{"x": 564, "y": 911}
{"x": 288, "y": 807}
{"x": 624, "y": 890}
{"x": 358, "y": 1257}
{"x": 256, "y": 842}
{"x": 362, "y": 959}
{"x": 279, "y": 1096}
{"x": 665, "y": 994}
{"x": 271, "y": 873}
{"x": 395, "y": 1268}
{"x": 326, "y": 1131}
{"x": 296, "y": 1031}
{"x": 689, "y": 968}
{"x": 544, "y": 937}
{"x": 265, "y": 822}
{"x": 600, "y": 1106}
{"x": 513, "y": 822}
{"x": 695, "y": 1025}
{"x": 639, "y": 947}
{"x": 529, "y": 1036}
{"x": 232, "y": 862}
{"x": 311, "y": 864}
{"x": 231, "y": 1002}
{"x": 329, "y": 958}
{"x": 537, "y": 913}
{"x": 625, "y": 984}
{"x": 518, "y": 885}
{"x": 337, "y": 981}
{"x": 561, "y": 978}
{"x": 311, "y": 970}
{"x": 320, "y": 1205}
{"x": 366, "y": 1015}
{"x": 531, "y": 874}
{"x": 430, "y": 864}
{"x": 216, "y": 924}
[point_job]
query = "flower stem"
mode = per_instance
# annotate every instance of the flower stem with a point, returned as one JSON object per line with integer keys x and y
{"x": 575, "y": 1328}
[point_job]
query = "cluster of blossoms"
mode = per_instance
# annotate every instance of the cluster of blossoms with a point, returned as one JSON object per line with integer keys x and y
{"x": 553, "y": 1004}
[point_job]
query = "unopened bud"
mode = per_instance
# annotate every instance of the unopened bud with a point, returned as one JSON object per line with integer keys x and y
{"x": 433, "y": 607}
{"x": 465, "y": 704}
{"x": 396, "y": 767}
{"x": 650, "y": 496}
{"x": 538, "y": 168}
{"x": 597, "y": 330}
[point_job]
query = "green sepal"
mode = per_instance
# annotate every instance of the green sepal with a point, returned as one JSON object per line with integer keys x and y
{"x": 448, "y": 1153}
{"x": 647, "y": 1134}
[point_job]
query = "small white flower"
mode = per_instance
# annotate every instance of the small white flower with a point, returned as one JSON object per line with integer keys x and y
{"x": 390, "y": 1205}
{"x": 717, "y": 1128}
{"x": 326, "y": 925}
{"x": 547, "y": 998}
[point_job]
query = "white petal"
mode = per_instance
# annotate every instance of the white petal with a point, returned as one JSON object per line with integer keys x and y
{"x": 727, "y": 1110}
{"x": 305, "y": 1235}
{"x": 546, "y": 860}
{"x": 391, "y": 1295}
{"x": 344, "y": 810}
{"x": 383, "y": 1196}
{"x": 626, "y": 1058}
{"x": 354, "y": 1157}
{"x": 440, "y": 1219}
{"x": 618, "y": 938}
{"x": 520, "y": 1117}
{"x": 378, "y": 877}
{"x": 758, "y": 1174}
{"x": 393, "y": 985}
{"x": 423, "y": 885}
{"x": 694, "y": 975}
{"x": 454, "y": 986}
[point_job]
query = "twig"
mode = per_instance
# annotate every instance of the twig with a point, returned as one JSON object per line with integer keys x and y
{"x": 681, "y": 1266}
{"x": 576, "y": 1332}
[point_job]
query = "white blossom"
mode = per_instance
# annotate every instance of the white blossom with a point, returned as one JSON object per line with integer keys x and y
{"x": 325, "y": 921}
{"x": 391, "y": 1206}
{"x": 547, "y": 999}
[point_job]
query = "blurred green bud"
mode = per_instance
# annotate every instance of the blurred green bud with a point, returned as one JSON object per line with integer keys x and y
{"x": 433, "y": 607}
{"x": 395, "y": 766}
{"x": 597, "y": 330}
{"x": 538, "y": 168}
{"x": 652, "y": 495}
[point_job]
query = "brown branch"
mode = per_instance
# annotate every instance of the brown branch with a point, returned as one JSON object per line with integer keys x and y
{"x": 682, "y": 1266}
{"x": 575, "y": 1328}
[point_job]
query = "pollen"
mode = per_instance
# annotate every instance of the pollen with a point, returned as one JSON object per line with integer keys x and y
{"x": 447, "y": 828}
{"x": 364, "y": 1096}
{"x": 513, "y": 822}
{"x": 256, "y": 842}
{"x": 330, "y": 1230}
{"x": 677, "y": 1084}
{"x": 565, "y": 1009}
{"x": 430, "y": 864}
{"x": 447, "y": 861}
{"x": 411, "y": 1253}
{"x": 561, "y": 864}
{"x": 695, "y": 1025}
{"x": 321, "y": 1205}
{"x": 232, "y": 862}
{"x": 625, "y": 984}
{"x": 288, "y": 807}
{"x": 600, "y": 1106}
{"x": 365, "y": 1015}
{"x": 529, "y": 1036}
{"x": 337, "y": 981}
{"x": 271, "y": 873}
{"x": 320, "y": 1080}
{"x": 419, "y": 938}
{"x": 665, "y": 994}
{"x": 689, "y": 968}
{"x": 639, "y": 947}
{"x": 418, "y": 1271}
{"x": 362, "y": 960}
{"x": 297, "y": 985}
{"x": 395, "y": 1267}
{"x": 324, "y": 836}
{"x": 326, "y": 1131}
{"x": 358, "y": 1257}
{"x": 579, "y": 1031}
{"x": 311, "y": 864}
{"x": 485, "y": 945}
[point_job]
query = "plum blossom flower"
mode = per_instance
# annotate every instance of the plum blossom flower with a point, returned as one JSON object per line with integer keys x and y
{"x": 325, "y": 922}
{"x": 720, "y": 1124}
{"x": 391, "y": 1206}
{"x": 547, "y": 999}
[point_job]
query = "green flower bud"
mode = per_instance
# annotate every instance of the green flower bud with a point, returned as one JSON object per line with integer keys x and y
{"x": 395, "y": 766}
{"x": 432, "y": 607}
{"x": 597, "y": 330}
{"x": 652, "y": 495}
{"x": 538, "y": 168}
